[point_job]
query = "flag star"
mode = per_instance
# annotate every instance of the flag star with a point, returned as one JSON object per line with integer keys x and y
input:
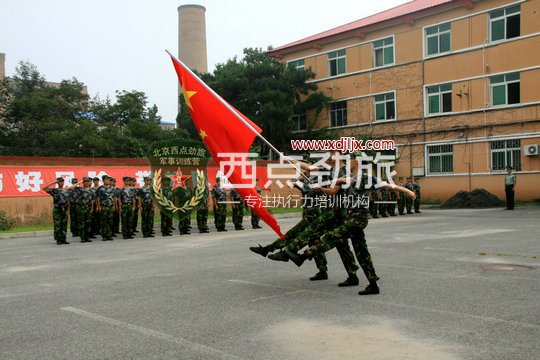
{"x": 187, "y": 95}
{"x": 202, "y": 134}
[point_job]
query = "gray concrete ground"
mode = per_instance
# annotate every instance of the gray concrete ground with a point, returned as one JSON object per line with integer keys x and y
{"x": 455, "y": 285}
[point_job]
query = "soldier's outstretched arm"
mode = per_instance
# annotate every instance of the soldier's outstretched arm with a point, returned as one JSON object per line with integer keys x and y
{"x": 46, "y": 187}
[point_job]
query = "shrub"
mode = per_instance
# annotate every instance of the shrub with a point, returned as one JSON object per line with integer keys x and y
{"x": 6, "y": 221}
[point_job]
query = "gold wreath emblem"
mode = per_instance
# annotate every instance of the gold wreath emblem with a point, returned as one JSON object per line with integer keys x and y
{"x": 189, "y": 204}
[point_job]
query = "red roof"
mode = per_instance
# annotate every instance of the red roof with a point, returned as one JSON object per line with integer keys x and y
{"x": 367, "y": 24}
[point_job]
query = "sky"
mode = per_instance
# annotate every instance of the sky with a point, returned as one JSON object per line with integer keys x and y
{"x": 112, "y": 45}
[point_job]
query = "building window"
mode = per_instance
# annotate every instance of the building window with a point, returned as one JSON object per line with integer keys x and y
{"x": 383, "y": 52}
{"x": 297, "y": 64}
{"x": 336, "y": 61}
{"x": 439, "y": 99}
{"x": 438, "y": 39}
{"x": 385, "y": 107}
{"x": 440, "y": 159}
{"x": 338, "y": 114}
{"x": 299, "y": 121}
{"x": 505, "y": 153}
{"x": 505, "y": 23}
{"x": 505, "y": 89}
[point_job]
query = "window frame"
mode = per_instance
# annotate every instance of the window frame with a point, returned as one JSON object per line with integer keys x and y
{"x": 511, "y": 153}
{"x": 343, "y": 110}
{"x": 439, "y": 93}
{"x": 296, "y": 64}
{"x": 383, "y": 48}
{"x": 297, "y": 118}
{"x": 438, "y": 34}
{"x": 336, "y": 56}
{"x": 385, "y": 101}
{"x": 443, "y": 152}
{"x": 503, "y": 17}
{"x": 504, "y": 83}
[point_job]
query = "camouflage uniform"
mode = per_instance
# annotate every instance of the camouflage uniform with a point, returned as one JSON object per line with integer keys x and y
{"x": 392, "y": 207}
{"x": 107, "y": 198}
{"x": 166, "y": 215}
{"x": 328, "y": 219}
{"x": 61, "y": 199}
{"x": 116, "y": 218}
{"x": 135, "y": 213}
{"x": 220, "y": 207}
{"x": 238, "y": 210}
{"x": 85, "y": 201}
{"x": 127, "y": 202}
{"x": 181, "y": 195}
{"x": 73, "y": 221}
{"x": 373, "y": 207}
{"x": 147, "y": 210}
{"x": 383, "y": 207}
{"x": 96, "y": 220}
{"x": 408, "y": 200}
{"x": 202, "y": 212}
{"x": 354, "y": 222}
{"x": 254, "y": 217}
{"x": 418, "y": 200}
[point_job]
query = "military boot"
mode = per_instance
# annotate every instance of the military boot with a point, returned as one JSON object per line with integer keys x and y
{"x": 352, "y": 280}
{"x": 280, "y": 256}
{"x": 321, "y": 275}
{"x": 261, "y": 250}
{"x": 371, "y": 289}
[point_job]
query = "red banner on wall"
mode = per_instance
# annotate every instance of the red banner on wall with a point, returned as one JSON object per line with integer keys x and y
{"x": 28, "y": 180}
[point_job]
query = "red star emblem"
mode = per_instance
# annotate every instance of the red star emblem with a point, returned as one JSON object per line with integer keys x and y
{"x": 179, "y": 179}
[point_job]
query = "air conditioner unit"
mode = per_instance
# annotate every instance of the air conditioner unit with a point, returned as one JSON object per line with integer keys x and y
{"x": 532, "y": 150}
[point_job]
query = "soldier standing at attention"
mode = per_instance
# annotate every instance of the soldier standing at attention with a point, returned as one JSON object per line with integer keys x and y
{"x": 373, "y": 206}
{"x": 401, "y": 198}
{"x": 73, "y": 222}
{"x": 96, "y": 228}
{"x": 181, "y": 195}
{"x": 409, "y": 201}
{"x": 106, "y": 203}
{"x": 237, "y": 209}
{"x": 254, "y": 217}
{"x": 116, "y": 218}
{"x": 166, "y": 215}
{"x": 135, "y": 221}
{"x": 385, "y": 196}
{"x": 219, "y": 198}
{"x": 416, "y": 189}
{"x": 127, "y": 203}
{"x": 147, "y": 208}
{"x": 85, "y": 204}
{"x": 394, "y": 198}
{"x": 509, "y": 188}
{"x": 202, "y": 210}
{"x": 60, "y": 209}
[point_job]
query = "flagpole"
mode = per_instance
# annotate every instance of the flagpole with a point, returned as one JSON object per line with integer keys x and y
{"x": 230, "y": 108}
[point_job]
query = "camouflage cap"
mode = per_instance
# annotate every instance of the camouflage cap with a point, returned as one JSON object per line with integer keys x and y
{"x": 126, "y": 178}
{"x": 147, "y": 178}
{"x": 86, "y": 178}
{"x": 74, "y": 181}
{"x": 105, "y": 177}
{"x": 95, "y": 178}
{"x": 112, "y": 179}
{"x": 60, "y": 179}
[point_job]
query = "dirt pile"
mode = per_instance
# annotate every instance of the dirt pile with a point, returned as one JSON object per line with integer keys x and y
{"x": 478, "y": 198}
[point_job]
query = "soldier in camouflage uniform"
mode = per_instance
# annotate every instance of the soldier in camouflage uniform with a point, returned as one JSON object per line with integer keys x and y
{"x": 356, "y": 219}
{"x": 180, "y": 196}
{"x": 393, "y": 196}
{"x": 127, "y": 206}
{"x": 166, "y": 214}
{"x": 219, "y": 199}
{"x": 409, "y": 201}
{"x": 418, "y": 200}
{"x": 401, "y": 198}
{"x": 385, "y": 196}
{"x": 73, "y": 222}
{"x": 85, "y": 203}
{"x": 310, "y": 212}
{"x": 146, "y": 196}
{"x": 96, "y": 228}
{"x": 202, "y": 211}
{"x": 237, "y": 209}
{"x": 254, "y": 217}
{"x": 135, "y": 213}
{"x": 373, "y": 206}
{"x": 116, "y": 217}
{"x": 106, "y": 203}
{"x": 60, "y": 209}
{"x": 327, "y": 220}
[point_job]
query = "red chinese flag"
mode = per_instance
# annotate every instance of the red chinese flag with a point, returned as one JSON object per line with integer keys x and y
{"x": 222, "y": 131}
